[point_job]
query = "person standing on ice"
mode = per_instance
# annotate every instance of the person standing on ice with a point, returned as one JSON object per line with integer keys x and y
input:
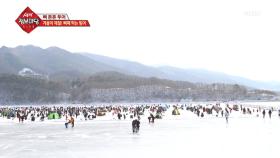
{"x": 67, "y": 122}
{"x": 226, "y": 114}
{"x": 269, "y": 113}
{"x": 119, "y": 116}
{"x": 263, "y": 113}
{"x": 21, "y": 116}
{"x": 72, "y": 121}
{"x": 151, "y": 118}
{"x": 135, "y": 125}
{"x": 257, "y": 113}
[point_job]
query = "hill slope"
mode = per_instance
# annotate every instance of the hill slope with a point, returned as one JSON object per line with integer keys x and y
{"x": 117, "y": 87}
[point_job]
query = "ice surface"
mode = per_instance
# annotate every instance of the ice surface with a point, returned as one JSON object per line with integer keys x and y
{"x": 173, "y": 136}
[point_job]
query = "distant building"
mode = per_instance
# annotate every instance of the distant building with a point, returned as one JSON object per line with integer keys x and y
{"x": 27, "y": 72}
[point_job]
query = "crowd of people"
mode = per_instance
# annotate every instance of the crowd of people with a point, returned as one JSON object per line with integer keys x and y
{"x": 132, "y": 112}
{"x": 225, "y": 110}
{"x": 68, "y": 113}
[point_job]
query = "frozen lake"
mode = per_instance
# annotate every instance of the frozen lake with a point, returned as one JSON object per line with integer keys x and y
{"x": 181, "y": 136}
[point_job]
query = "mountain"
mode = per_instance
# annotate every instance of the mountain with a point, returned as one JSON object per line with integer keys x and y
{"x": 164, "y": 72}
{"x": 60, "y": 64}
{"x": 196, "y": 75}
{"x": 178, "y": 74}
{"x": 8, "y": 62}
{"x": 205, "y": 76}
{"x": 48, "y": 61}
{"x": 130, "y": 67}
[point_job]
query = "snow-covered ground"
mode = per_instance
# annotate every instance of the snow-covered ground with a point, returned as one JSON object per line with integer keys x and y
{"x": 173, "y": 136}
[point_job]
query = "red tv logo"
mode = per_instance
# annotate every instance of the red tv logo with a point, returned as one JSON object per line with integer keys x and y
{"x": 28, "y": 20}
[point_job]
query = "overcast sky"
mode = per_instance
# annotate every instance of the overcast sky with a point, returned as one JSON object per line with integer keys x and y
{"x": 238, "y": 37}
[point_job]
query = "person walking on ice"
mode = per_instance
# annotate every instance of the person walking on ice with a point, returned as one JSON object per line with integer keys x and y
{"x": 226, "y": 114}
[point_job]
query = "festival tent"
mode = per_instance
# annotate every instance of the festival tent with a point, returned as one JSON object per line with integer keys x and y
{"x": 175, "y": 112}
{"x": 53, "y": 115}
